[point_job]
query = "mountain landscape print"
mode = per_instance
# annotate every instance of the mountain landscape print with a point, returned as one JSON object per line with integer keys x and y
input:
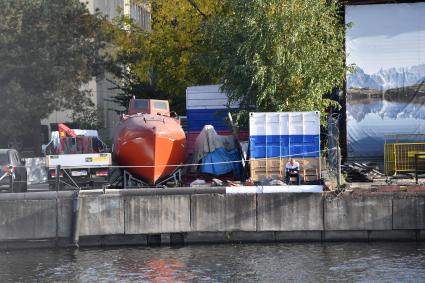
{"x": 393, "y": 93}
{"x": 385, "y": 94}
{"x": 387, "y": 79}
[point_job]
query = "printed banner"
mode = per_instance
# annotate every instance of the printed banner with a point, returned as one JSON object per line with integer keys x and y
{"x": 386, "y": 93}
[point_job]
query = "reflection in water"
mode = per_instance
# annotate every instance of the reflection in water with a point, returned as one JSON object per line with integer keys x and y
{"x": 166, "y": 270}
{"x": 387, "y": 111}
{"x": 221, "y": 263}
{"x": 395, "y": 103}
{"x": 368, "y": 123}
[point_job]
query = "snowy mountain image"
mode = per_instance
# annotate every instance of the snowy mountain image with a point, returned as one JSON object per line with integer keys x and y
{"x": 402, "y": 85}
{"x": 387, "y": 79}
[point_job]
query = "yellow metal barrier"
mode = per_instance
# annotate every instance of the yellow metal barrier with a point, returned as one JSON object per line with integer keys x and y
{"x": 399, "y": 155}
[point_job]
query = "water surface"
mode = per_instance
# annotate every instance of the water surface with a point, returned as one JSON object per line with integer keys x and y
{"x": 307, "y": 262}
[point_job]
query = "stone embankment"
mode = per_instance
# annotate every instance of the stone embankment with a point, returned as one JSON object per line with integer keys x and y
{"x": 184, "y": 216}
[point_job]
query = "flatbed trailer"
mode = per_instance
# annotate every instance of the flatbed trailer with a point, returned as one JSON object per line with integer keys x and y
{"x": 78, "y": 170}
{"x": 76, "y": 158}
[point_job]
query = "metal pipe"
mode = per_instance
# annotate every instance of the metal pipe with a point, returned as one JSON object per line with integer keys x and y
{"x": 338, "y": 177}
{"x": 58, "y": 171}
{"x": 75, "y": 219}
{"x": 416, "y": 169}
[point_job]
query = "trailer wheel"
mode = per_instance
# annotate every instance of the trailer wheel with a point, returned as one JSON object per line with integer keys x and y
{"x": 23, "y": 188}
{"x": 171, "y": 184}
{"x": 115, "y": 178}
{"x": 52, "y": 187}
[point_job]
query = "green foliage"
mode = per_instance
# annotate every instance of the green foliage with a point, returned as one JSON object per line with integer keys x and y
{"x": 90, "y": 118}
{"x": 162, "y": 62}
{"x": 279, "y": 55}
{"x": 49, "y": 49}
{"x": 132, "y": 65}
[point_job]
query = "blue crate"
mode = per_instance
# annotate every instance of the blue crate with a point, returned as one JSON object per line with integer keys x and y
{"x": 284, "y": 146}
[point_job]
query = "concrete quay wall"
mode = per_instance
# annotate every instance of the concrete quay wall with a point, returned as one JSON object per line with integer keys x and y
{"x": 196, "y": 216}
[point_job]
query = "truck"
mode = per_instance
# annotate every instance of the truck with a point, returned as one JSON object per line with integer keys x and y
{"x": 76, "y": 158}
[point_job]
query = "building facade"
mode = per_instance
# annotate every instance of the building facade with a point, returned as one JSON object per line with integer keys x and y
{"x": 103, "y": 90}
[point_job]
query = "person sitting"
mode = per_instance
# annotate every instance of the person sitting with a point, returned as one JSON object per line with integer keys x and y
{"x": 293, "y": 170}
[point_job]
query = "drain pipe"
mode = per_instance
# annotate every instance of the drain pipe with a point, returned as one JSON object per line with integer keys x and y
{"x": 75, "y": 219}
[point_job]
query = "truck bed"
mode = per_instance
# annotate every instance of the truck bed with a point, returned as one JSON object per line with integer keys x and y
{"x": 79, "y": 160}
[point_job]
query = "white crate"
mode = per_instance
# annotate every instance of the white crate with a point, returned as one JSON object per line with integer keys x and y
{"x": 284, "y": 123}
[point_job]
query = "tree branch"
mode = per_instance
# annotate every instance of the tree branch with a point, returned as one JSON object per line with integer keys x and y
{"x": 196, "y": 7}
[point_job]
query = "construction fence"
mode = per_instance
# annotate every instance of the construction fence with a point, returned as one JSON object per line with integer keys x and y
{"x": 404, "y": 153}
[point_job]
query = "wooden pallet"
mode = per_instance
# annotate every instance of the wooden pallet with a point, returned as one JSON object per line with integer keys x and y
{"x": 275, "y": 168}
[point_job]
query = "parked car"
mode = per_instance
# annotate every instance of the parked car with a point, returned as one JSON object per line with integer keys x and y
{"x": 13, "y": 174}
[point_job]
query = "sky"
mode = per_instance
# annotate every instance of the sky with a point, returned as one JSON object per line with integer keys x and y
{"x": 385, "y": 36}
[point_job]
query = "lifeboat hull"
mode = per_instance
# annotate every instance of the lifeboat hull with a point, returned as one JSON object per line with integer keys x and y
{"x": 151, "y": 147}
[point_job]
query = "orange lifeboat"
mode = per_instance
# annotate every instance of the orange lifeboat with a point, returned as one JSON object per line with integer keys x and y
{"x": 149, "y": 141}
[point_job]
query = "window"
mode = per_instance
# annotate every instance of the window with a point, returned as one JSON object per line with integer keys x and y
{"x": 160, "y": 105}
{"x": 141, "y": 104}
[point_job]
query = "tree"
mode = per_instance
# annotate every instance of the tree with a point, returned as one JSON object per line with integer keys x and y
{"x": 49, "y": 49}
{"x": 163, "y": 61}
{"x": 279, "y": 55}
{"x": 131, "y": 68}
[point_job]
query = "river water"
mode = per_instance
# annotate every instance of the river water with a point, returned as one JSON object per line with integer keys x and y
{"x": 306, "y": 262}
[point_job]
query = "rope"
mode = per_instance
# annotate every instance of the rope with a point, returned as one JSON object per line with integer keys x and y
{"x": 193, "y": 164}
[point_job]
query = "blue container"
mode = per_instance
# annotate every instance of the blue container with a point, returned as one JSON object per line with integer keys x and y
{"x": 285, "y": 134}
